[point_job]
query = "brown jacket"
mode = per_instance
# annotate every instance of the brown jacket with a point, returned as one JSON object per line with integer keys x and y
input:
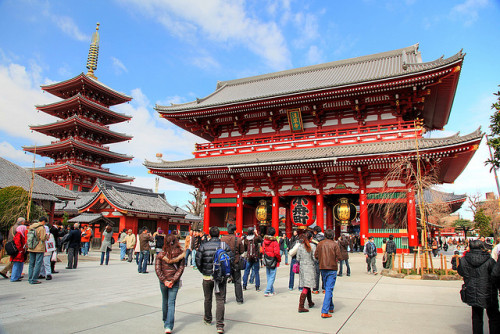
{"x": 328, "y": 254}
{"x": 343, "y": 244}
{"x": 238, "y": 250}
{"x": 41, "y": 236}
{"x": 144, "y": 239}
{"x": 170, "y": 269}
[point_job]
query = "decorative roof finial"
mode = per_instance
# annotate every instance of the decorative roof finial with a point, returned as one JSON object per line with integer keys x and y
{"x": 93, "y": 54}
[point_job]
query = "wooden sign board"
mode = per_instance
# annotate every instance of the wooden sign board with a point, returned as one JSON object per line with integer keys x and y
{"x": 295, "y": 120}
{"x": 407, "y": 265}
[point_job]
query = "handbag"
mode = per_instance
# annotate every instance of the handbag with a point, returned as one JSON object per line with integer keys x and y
{"x": 463, "y": 292}
{"x": 270, "y": 261}
{"x": 296, "y": 267}
{"x": 11, "y": 249}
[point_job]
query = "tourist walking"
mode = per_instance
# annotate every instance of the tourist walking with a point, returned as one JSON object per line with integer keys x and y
{"x": 130, "y": 242}
{"x": 73, "y": 240}
{"x": 106, "y": 244}
{"x": 17, "y": 260}
{"x": 237, "y": 248}
{"x": 144, "y": 239}
{"x": 284, "y": 248}
{"x": 391, "y": 252}
{"x": 271, "y": 258}
{"x": 12, "y": 232}
{"x": 317, "y": 238}
{"x": 36, "y": 249}
{"x": 478, "y": 290}
{"x": 328, "y": 254}
{"x": 370, "y": 252}
{"x": 122, "y": 244}
{"x": 294, "y": 244}
{"x": 307, "y": 271}
{"x": 169, "y": 267}
{"x": 252, "y": 246}
{"x": 344, "y": 255}
{"x": 204, "y": 263}
{"x": 188, "y": 246}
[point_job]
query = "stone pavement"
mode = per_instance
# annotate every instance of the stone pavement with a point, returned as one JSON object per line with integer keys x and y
{"x": 116, "y": 299}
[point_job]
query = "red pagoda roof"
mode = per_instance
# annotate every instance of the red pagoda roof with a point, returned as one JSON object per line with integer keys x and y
{"x": 82, "y": 82}
{"x": 378, "y": 72}
{"x": 53, "y": 129}
{"x": 71, "y": 144}
{"x": 71, "y": 103}
{"x": 84, "y": 170}
{"x": 339, "y": 155}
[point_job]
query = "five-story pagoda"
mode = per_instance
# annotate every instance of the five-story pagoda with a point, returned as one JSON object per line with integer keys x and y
{"x": 83, "y": 131}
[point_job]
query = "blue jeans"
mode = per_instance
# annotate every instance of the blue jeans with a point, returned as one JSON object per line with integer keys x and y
{"x": 143, "y": 261}
{"x": 85, "y": 248}
{"x": 36, "y": 260}
{"x": 252, "y": 265}
{"x": 193, "y": 258}
{"x": 168, "y": 303}
{"x": 17, "y": 271}
{"x": 292, "y": 274}
{"x": 123, "y": 250}
{"x": 329, "y": 277}
{"x": 107, "y": 256}
{"x": 271, "y": 276}
{"x": 285, "y": 254}
{"x": 341, "y": 263}
{"x": 188, "y": 253}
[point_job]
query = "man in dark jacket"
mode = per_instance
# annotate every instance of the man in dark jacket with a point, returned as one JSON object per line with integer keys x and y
{"x": 390, "y": 249}
{"x": 343, "y": 245}
{"x": 74, "y": 240}
{"x": 237, "y": 248}
{"x": 205, "y": 263}
{"x": 479, "y": 292}
{"x": 328, "y": 254}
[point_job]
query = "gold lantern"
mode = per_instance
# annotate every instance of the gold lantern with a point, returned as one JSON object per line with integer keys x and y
{"x": 344, "y": 211}
{"x": 261, "y": 212}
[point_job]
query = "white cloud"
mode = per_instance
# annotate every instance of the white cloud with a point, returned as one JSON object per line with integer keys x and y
{"x": 307, "y": 27}
{"x": 19, "y": 94}
{"x": 205, "y": 61}
{"x": 223, "y": 21}
{"x": 67, "y": 25}
{"x": 9, "y": 152}
{"x": 468, "y": 11}
{"x": 118, "y": 66}
{"x": 314, "y": 55}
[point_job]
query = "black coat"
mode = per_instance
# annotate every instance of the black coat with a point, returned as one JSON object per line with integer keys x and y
{"x": 74, "y": 238}
{"x": 476, "y": 267}
{"x": 205, "y": 255}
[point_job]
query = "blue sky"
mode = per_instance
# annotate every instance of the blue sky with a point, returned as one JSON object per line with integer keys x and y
{"x": 174, "y": 51}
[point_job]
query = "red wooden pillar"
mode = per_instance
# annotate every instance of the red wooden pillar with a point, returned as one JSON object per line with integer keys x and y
{"x": 320, "y": 211}
{"x": 288, "y": 222}
{"x": 412, "y": 218}
{"x": 276, "y": 213}
{"x": 329, "y": 217}
{"x": 239, "y": 213}
{"x": 363, "y": 213}
{"x": 206, "y": 215}
{"x": 51, "y": 213}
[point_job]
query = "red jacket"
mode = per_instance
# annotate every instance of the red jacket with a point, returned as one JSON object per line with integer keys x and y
{"x": 272, "y": 248}
{"x": 20, "y": 241}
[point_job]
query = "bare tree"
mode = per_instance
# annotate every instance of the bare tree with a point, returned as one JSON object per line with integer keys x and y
{"x": 195, "y": 206}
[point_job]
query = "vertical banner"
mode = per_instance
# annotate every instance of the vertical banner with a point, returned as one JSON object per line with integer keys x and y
{"x": 295, "y": 120}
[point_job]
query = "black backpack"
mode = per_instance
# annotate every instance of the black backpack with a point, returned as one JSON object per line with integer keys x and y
{"x": 252, "y": 254}
{"x": 11, "y": 248}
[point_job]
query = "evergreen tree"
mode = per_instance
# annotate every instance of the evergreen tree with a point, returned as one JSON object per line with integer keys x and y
{"x": 494, "y": 138}
{"x": 482, "y": 223}
{"x": 464, "y": 225}
{"x": 13, "y": 204}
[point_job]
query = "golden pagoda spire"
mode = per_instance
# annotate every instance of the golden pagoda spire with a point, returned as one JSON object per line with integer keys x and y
{"x": 93, "y": 54}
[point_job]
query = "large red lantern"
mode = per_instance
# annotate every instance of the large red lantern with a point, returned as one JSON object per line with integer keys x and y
{"x": 303, "y": 211}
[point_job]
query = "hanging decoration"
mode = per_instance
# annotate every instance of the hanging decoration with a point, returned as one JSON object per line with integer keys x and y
{"x": 302, "y": 211}
{"x": 262, "y": 212}
{"x": 344, "y": 211}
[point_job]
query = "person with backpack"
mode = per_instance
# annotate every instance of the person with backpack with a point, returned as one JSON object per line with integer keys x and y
{"x": 18, "y": 259}
{"x": 371, "y": 256}
{"x": 479, "y": 291}
{"x": 237, "y": 248}
{"x": 252, "y": 245}
{"x": 10, "y": 237}
{"x": 271, "y": 259}
{"x": 212, "y": 262}
{"x": 36, "y": 247}
{"x": 390, "y": 249}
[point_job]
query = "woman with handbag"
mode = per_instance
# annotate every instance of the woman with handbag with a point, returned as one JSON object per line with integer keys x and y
{"x": 169, "y": 266}
{"x": 271, "y": 259}
{"x": 307, "y": 271}
{"x": 107, "y": 241}
{"x": 20, "y": 257}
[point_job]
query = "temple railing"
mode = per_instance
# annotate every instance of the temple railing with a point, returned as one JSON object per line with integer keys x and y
{"x": 78, "y": 162}
{"x": 310, "y": 139}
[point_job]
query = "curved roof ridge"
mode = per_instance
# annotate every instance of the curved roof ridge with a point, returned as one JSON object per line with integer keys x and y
{"x": 337, "y": 63}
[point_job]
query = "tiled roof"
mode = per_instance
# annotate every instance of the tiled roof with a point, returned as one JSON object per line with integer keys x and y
{"x": 315, "y": 154}
{"x": 391, "y": 64}
{"x": 14, "y": 175}
{"x": 85, "y": 170}
{"x": 83, "y": 199}
{"x": 433, "y": 195}
{"x": 136, "y": 199}
{"x": 86, "y": 218}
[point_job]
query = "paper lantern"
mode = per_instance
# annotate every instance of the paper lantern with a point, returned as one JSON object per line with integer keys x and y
{"x": 303, "y": 211}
